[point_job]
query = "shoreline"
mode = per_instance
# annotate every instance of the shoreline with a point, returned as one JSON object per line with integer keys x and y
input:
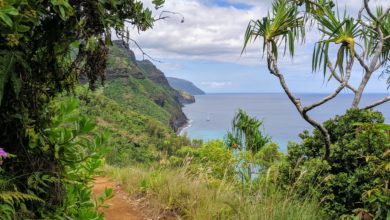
{"x": 181, "y": 129}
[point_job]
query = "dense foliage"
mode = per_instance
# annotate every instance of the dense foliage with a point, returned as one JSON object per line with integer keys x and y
{"x": 76, "y": 150}
{"x": 45, "y": 47}
{"x": 355, "y": 179}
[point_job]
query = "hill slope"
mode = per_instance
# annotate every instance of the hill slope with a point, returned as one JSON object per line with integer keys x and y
{"x": 142, "y": 88}
{"x": 184, "y": 85}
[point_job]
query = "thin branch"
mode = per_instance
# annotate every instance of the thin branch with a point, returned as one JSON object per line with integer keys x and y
{"x": 360, "y": 13}
{"x": 378, "y": 51}
{"x": 336, "y": 92}
{"x": 369, "y": 11}
{"x": 274, "y": 69}
{"x": 374, "y": 61}
{"x": 338, "y": 78}
{"x": 161, "y": 17}
{"x": 384, "y": 61}
{"x": 126, "y": 38}
{"x": 143, "y": 52}
{"x": 377, "y": 103}
{"x": 361, "y": 61}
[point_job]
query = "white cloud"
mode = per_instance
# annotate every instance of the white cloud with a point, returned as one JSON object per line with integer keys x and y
{"x": 208, "y": 33}
{"x": 216, "y": 33}
{"x": 216, "y": 84}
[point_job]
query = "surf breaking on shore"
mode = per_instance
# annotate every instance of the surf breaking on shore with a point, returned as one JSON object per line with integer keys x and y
{"x": 183, "y": 128}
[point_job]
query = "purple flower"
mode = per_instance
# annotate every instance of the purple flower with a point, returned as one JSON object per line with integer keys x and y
{"x": 3, "y": 154}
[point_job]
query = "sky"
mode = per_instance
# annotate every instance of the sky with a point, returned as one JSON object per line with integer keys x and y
{"x": 206, "y": 49}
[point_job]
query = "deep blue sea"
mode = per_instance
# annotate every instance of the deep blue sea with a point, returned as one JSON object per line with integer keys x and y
{"x": 211, "y": 115}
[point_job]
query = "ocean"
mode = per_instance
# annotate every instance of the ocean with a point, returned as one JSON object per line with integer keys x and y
{"x": 211, "y": 115}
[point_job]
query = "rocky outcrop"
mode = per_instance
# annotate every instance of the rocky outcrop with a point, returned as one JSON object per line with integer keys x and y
{"x": 178, "y": 121}
{"x": 123, "y": 73}
{"x": 186, "y": 98}
{"x": 117, "y": 73}
{"x": 159, "y": 100}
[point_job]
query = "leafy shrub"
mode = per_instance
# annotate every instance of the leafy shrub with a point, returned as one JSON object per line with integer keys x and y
{"x": 75, "y": 151}
{"x": 213, "y": 157}
{"x": 45, "y": 47}
{"x": 353, "y": 180}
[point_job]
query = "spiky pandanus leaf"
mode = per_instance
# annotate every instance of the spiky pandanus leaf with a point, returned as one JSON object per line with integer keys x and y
{"x": 342, "y": 31}
{"x": 283, "y": 25}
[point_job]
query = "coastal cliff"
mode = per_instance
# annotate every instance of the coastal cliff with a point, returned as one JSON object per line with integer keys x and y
{"x": 142, "y": 87}
{"x": 184, "y": 85}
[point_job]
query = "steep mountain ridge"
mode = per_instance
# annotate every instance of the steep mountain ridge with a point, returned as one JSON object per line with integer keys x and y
{"x": 184, "y": 85}
{"x": 142, "y": 87}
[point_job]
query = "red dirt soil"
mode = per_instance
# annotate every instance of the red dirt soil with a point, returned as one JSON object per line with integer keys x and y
{"x": 120, "y": 207}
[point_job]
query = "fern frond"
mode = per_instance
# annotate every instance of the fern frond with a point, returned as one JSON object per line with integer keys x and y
{"x": 17, "y": 197}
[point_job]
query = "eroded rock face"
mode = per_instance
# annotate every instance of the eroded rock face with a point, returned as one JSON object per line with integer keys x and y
{"x": 117, "y": 73}
{"x": 178, "y": 121}
{"x": 159, "y": 101}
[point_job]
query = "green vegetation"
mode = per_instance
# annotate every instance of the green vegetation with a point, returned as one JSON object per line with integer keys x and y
{"x": 345, "y": 162}
{"x": 205, "y": 181}
{"x": 355, "y": 178}
{"x": 201, "y": 183}
{"x": 135, "y": 137}
{"x": 139, "y": 85}
{"x": 77, "y": 149}
{"x": 45, "y": 47}
{"x": 193, "y": 180}
{"x": 55, "y": 135}
{"x": 361, "y": 39}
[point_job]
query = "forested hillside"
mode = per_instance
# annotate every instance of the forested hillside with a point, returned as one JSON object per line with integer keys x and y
{"x": 137, "y": 107}
{"x": 142, "y": 87}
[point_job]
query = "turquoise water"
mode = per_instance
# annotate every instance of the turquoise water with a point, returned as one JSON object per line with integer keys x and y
{"x": 211, "y": 115}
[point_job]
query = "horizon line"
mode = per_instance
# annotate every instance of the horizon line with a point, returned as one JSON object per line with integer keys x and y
{"x": 306, "y": 93}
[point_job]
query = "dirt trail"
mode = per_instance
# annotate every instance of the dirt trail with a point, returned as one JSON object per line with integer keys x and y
{"x": 120, "y": 207}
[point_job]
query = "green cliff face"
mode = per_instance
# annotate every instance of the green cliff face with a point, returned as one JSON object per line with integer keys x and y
{"x": 138, "y": 108}
{"x": 142, "y": 88}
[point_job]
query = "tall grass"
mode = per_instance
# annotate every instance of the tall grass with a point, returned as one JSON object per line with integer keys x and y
{"x": 201, "y": 197}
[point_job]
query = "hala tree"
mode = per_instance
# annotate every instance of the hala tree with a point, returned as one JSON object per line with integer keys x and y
{"x": 246, "y": 137}
{"x": 363, "y": 40}
{"x": 45, "y": 46}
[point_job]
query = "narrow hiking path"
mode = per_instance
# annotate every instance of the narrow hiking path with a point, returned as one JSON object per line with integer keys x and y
{"x": 120, "y": 205}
